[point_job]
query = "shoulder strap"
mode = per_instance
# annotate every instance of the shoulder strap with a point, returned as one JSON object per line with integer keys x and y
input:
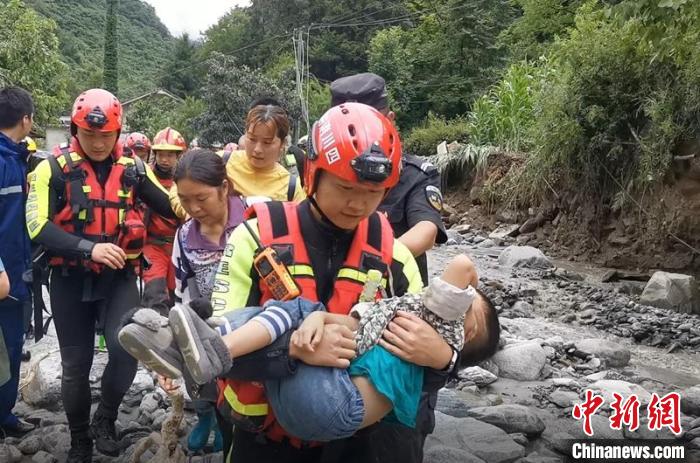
{"x": 226, "y": 157}
{"x": 372, "y": 246}
{"x": 422, "y": 164}
{"x": 58, "y": 181}
{"x": 140, "y": 166}
{"x": 292, "y": 187}
{"x": 78, "y": 199}
{"x": 272, "y": 220}
{"x": 183, "y": 257}
{"x": 191, "y": 278}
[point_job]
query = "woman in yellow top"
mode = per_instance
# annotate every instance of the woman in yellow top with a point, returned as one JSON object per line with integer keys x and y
{"x": 257, "y": 171}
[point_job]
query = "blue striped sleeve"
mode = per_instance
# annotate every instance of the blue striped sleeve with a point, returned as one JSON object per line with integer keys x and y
{"x": 276, "y": 320}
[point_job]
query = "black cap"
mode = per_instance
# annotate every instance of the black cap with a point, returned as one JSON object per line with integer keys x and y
{"x": 367, "y": 88}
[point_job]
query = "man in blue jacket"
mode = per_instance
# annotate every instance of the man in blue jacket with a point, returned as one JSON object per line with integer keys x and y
{"x": 16, "y": 113}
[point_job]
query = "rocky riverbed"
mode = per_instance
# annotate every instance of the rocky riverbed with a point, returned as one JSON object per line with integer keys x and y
{"x": 563, "y": 332}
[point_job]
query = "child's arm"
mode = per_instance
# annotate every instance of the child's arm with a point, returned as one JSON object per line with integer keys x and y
{"x": 254, "y": 333}
{"x": 248, "y": 338}
{"x": 310, "y": 333}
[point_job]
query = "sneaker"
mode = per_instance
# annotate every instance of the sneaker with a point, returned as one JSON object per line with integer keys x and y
{"x": 103, "y": 432}
{"x": 80, "y": 450}
{"x": 149, "y": 339}
{"x": 204, "y": 352}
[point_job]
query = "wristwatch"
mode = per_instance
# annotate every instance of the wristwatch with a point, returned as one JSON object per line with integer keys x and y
{"x": 453, "y": 361}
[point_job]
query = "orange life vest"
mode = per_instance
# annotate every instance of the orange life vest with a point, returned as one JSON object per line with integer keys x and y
{"x": 94, "y": 212}
{"x": 244, "y": 403}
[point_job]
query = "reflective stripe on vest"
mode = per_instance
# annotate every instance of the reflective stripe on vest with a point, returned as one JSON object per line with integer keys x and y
{"x": 278, "y": 225}
{"x": 357, "y": 275}
{"x": 244, "y": 409}
{"x": 300, "y": 270}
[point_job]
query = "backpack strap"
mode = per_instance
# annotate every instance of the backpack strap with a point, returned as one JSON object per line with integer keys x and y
{"x": 58, "y": 181}
{"x": 191, "y": 279}
{"x": 226, "y": 156}
{"x": 78, "y": 199}
{"x": 292, "y": 187}
{"x": 140, "y": 167}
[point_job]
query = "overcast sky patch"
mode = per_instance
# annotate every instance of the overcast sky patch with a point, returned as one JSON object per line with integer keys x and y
{"x": 190, "y": 16}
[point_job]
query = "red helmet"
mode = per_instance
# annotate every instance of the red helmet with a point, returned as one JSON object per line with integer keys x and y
{"x": 97, "y": 109}
{"x": 137, "y": 141}
{"x": 169, "y": 140}
{"x": 357, "y": 143}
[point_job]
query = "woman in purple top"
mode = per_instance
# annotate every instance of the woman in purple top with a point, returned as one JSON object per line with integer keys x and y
{"x": 208, "y": 197}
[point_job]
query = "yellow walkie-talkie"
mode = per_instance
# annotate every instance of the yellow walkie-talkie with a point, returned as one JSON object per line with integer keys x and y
{"x": 273, "y": 272}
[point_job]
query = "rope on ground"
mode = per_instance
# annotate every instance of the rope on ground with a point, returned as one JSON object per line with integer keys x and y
{"x": 33, "y": 369}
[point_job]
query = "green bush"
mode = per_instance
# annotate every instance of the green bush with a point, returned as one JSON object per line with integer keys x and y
{"x": 619, "y": 94}
{"x": 468, "y": 161}
{"x": 504, "y": 115}
{"x": 423, "y": 141}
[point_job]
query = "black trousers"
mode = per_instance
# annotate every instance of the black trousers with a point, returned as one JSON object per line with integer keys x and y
{"x": 380, "y": 443}
{"x": 76, "y": 321}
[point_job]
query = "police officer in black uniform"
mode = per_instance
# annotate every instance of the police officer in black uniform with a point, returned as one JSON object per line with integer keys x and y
{"x": 414, "y": 205}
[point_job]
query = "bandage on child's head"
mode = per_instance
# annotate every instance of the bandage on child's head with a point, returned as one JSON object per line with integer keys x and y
{"x": 448, "y": 301}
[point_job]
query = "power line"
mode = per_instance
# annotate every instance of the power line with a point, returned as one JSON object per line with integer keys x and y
{"x": 230, "y": 53}
{"x": 361, "y": 13}
{"x": 247, "y": 46}
{"x": 387, "y": 21}
{"x": 310, "y": 27}
{"x": 302, "y": 58}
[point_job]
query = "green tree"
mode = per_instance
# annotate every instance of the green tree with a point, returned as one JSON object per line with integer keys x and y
{"x": 145, "y": 45}
{"x": 319, "y": 100}
{"x": 111, "y": 48}
{"x": 181, "y": 75}
{"x": 337, "y": 33}
{"x": 446, "y": 59}
{"x": 392, "y": 59}
{"x": 29, "y": 57}
{"x": 541, "y": 22}
{"x": 228, "y": 92}
{"x": 230, "y": 33}
{"x": 152, "y": 115}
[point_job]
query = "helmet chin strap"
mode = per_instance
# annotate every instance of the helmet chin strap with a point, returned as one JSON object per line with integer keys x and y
{"x": 324, "y": 218}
